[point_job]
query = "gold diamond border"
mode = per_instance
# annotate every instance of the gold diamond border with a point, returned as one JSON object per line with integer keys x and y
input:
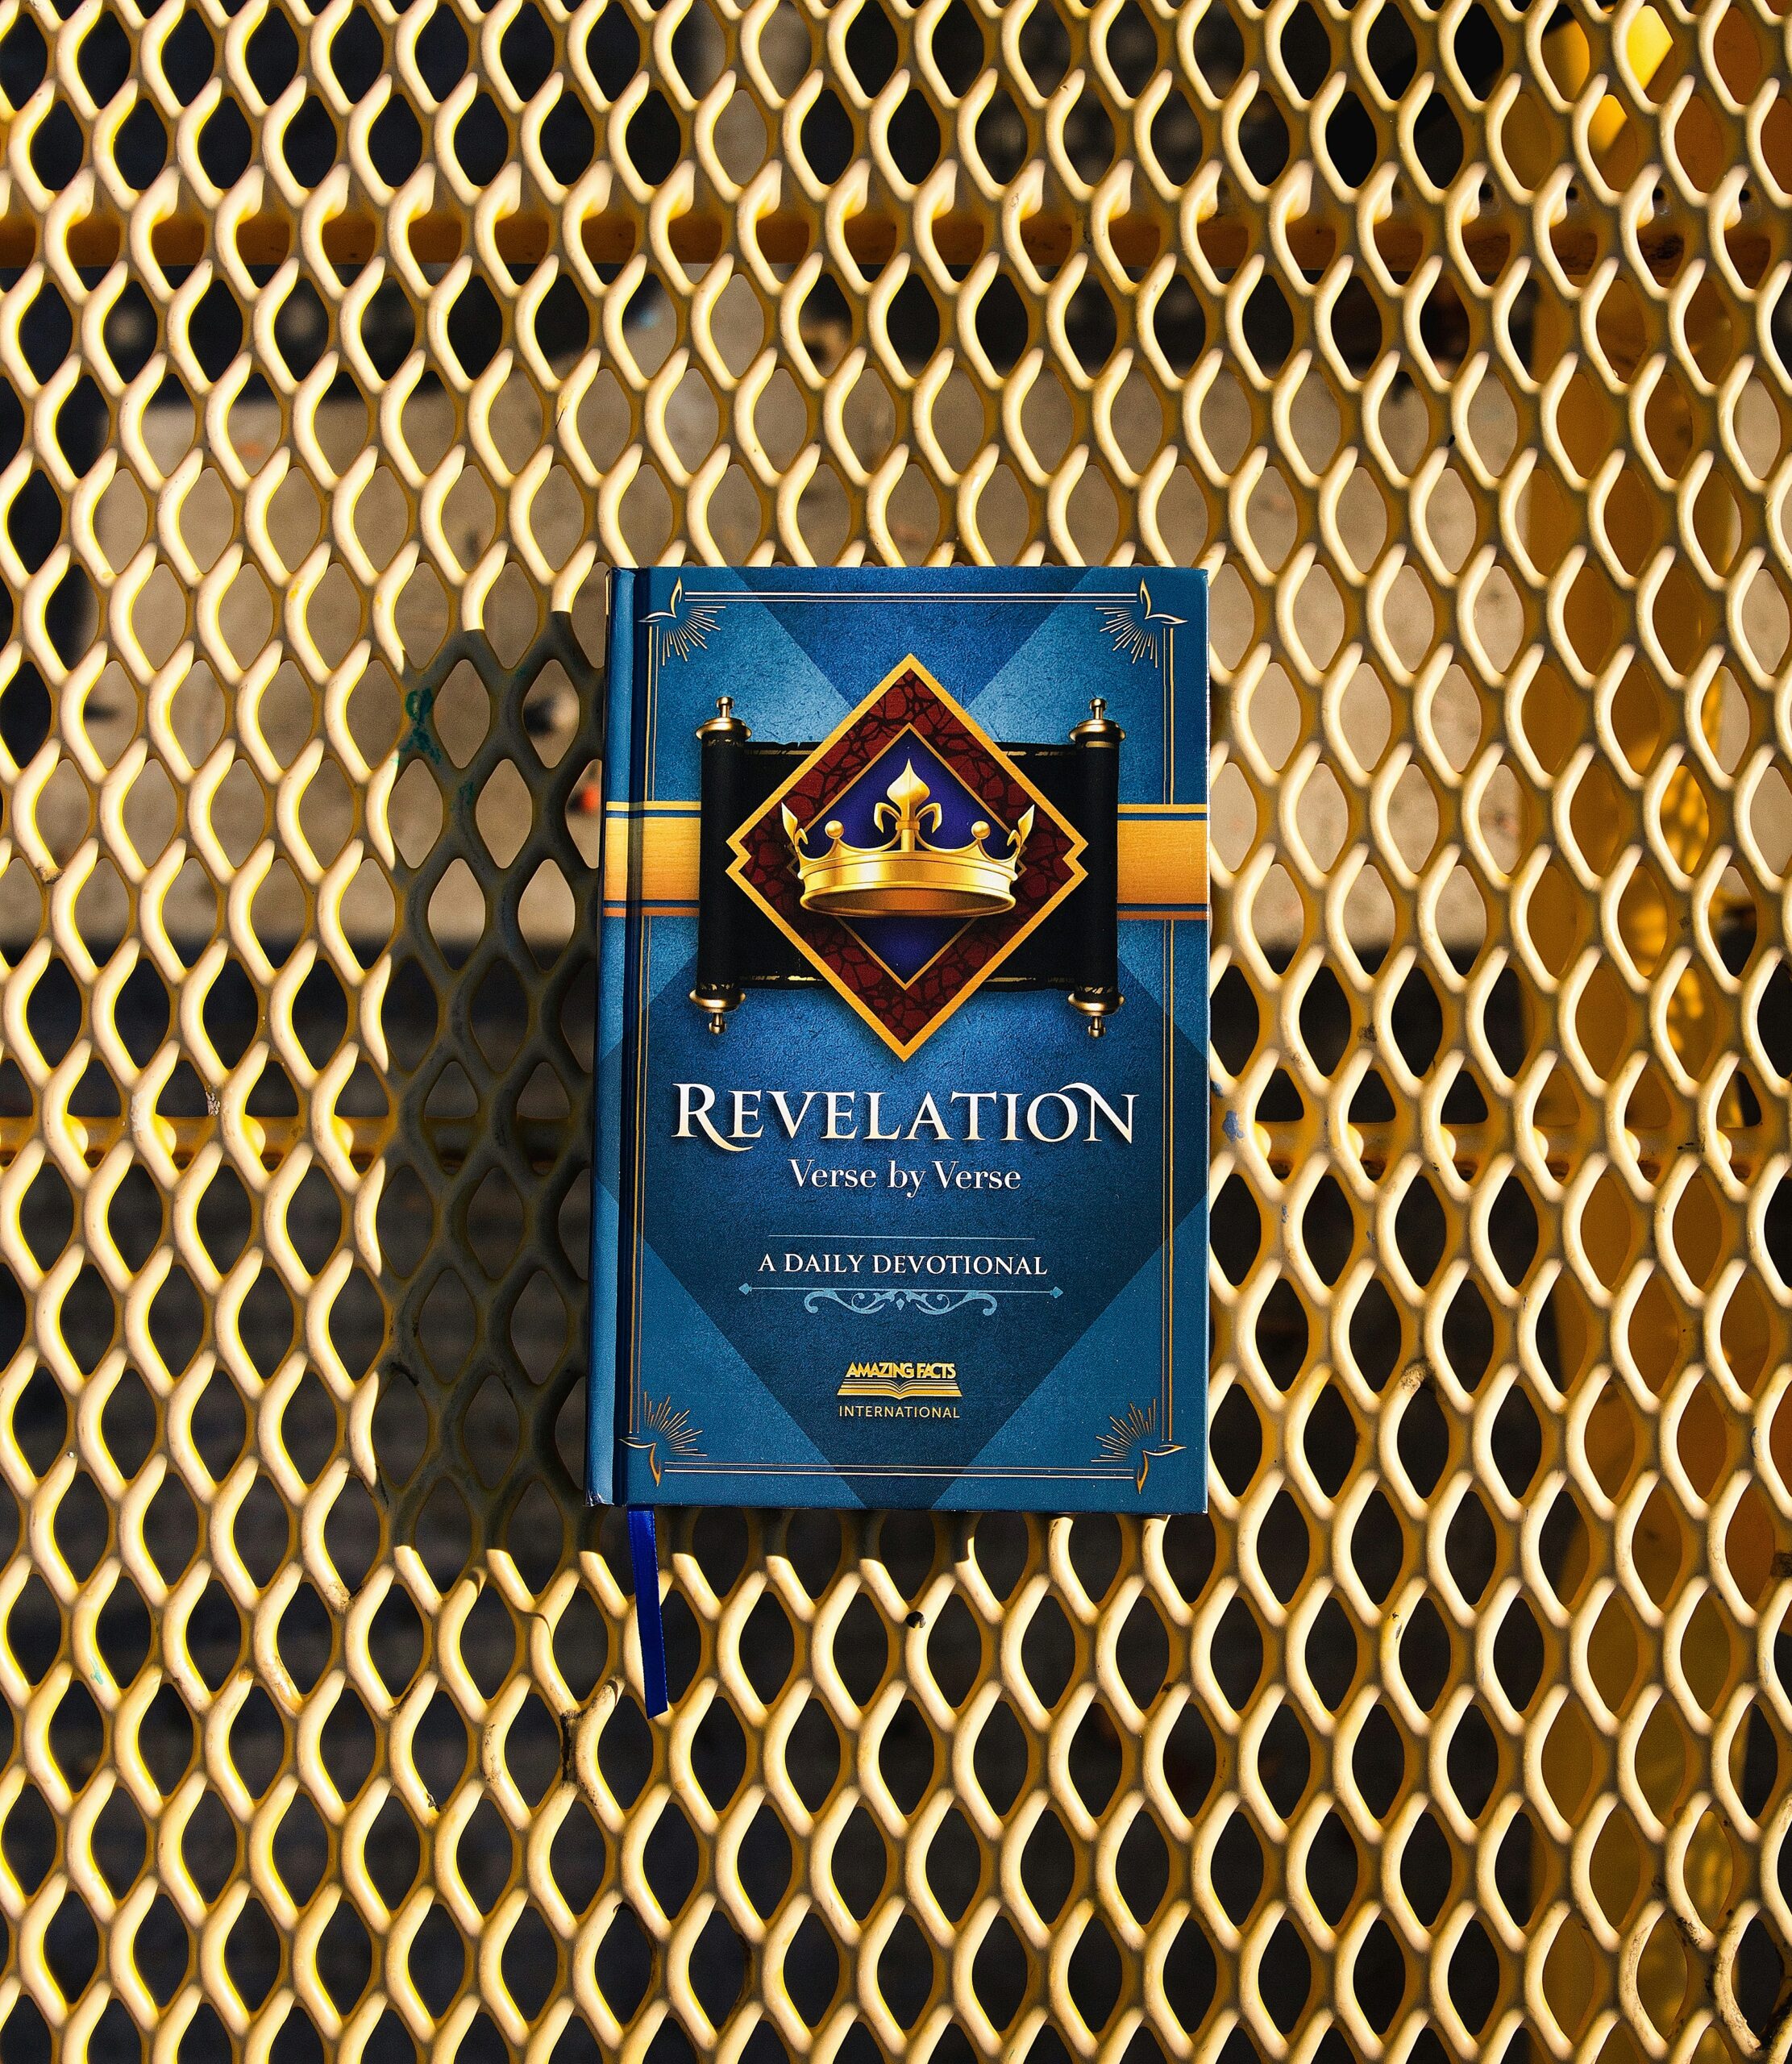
{"x": 906, "y": 1050}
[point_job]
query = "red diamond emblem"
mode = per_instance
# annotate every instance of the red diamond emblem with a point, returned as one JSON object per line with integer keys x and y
{"x": 904, "y": 831}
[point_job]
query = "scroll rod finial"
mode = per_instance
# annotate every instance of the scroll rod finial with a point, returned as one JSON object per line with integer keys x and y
{"x": 1095, "y": 1006}
{"x": 1098, "y": 727}
{"x": 725, "y": 724}
{"x": 715, "y": 1000}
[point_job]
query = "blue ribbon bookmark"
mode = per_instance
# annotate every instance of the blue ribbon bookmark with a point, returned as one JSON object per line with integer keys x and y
{"x": 644, "y": 1554}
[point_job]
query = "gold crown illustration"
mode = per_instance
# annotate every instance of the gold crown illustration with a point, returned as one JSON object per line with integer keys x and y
{"x": 907, "y": 877}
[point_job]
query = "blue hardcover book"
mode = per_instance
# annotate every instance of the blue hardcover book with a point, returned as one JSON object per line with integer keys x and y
{"x": 900, "y": 1190}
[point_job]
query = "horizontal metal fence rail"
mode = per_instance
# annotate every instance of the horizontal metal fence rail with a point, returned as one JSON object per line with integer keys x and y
{"x": 340, "y": 352}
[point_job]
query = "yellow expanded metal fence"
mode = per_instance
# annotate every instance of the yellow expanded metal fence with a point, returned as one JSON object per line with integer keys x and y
{"x": 339, "y": 354}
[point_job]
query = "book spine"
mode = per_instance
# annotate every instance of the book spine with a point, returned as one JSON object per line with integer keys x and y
{"x": 600, "y": 1422}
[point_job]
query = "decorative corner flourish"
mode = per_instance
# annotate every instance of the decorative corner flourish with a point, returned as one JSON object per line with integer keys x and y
{"x": 1131, "y": 1440}
{"x": 669, "y": 1425}
{"x": 1139, "y": 629}
{"x": 685, "y": 630}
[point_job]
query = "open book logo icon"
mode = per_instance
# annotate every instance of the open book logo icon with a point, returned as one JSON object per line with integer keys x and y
{"x": 901, "y": 1380}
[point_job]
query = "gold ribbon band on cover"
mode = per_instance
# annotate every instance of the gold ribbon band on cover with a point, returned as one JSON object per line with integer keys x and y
{"x": 1162, "y": 860}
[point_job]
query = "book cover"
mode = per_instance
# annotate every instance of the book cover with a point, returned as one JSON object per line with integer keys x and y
{"x": 901, "y": 1192}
